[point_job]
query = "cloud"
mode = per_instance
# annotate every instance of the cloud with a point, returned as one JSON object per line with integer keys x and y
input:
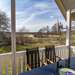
{"x": 5, "y": 6}
{"x": 42, "y": 6}
{"x": 28, "y": 11}
{"x": 28, "y": 17}
{"x": 34, "y": 15}
{"x": 36, "y": 25}
{"x": 24, "y": 21}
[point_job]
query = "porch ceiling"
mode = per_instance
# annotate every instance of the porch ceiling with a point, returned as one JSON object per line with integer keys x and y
{"x": 64, "y": 5}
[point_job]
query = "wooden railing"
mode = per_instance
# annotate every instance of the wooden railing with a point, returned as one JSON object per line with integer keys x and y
{"x": 62, "y": 51}
{"x": 6, "y": 59}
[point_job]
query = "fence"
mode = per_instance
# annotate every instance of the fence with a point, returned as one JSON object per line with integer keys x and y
{"x": 6, "y": 61}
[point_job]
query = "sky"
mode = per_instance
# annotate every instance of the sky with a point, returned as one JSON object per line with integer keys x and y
{"x": 33, "y": 14}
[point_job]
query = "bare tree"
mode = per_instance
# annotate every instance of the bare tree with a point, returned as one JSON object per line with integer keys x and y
{"x": 44, "y": 30}
{"x": 58, "y": 27}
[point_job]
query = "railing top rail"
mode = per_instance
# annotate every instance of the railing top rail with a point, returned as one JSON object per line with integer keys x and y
{"x": 11, "y": 53}
{"x": 60, "y": 46}
{"x": 22, "y": 52}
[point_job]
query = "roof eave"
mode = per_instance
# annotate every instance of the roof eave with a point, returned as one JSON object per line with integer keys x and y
{"x": 61, "y": 7}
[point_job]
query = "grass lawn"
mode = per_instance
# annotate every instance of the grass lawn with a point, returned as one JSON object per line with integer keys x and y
{"x": 41, "y": 42}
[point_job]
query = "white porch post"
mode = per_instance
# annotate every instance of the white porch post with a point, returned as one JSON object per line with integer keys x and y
{"x": 68, "y": 32}
{"x": 13, "y": 36}
{"x": 68, "y": 18}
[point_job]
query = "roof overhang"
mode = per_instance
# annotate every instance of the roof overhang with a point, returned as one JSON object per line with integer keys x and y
{"x": 64, "y": 5}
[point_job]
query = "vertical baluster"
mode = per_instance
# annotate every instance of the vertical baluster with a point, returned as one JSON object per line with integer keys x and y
{"x": 58, "y": 53}
{"x": 32, "y": 60}
{"x": 35, "y": 59}
{"x": 0, "y": 69}
{"x": 40, "y": 55}
{"x": 49, "y": 51}
{"x": 24, "y": 62}
{"x": 6, "y": 69}
{"x": 44, "y": 55}
{"x": 17, "y": 65}
{"x": 61, "y": 52}
{"x": 64, "y": 52}
{"x": 21, "y": 63}
{"x": 51, "y": 54}
{"x": 10, "y": 67}
{"x": 38, "y": 58}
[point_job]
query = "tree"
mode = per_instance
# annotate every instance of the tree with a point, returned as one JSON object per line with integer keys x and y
{"x": 58, "y": 27}
{"x": 44, "y": 30}
{"x": 54, "y": 28}
{"x": 4, "y": 22}
{"x": 4, "y": 27}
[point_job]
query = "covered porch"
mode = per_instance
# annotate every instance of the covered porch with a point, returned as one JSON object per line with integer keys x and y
{"x": 64, "y": 52}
